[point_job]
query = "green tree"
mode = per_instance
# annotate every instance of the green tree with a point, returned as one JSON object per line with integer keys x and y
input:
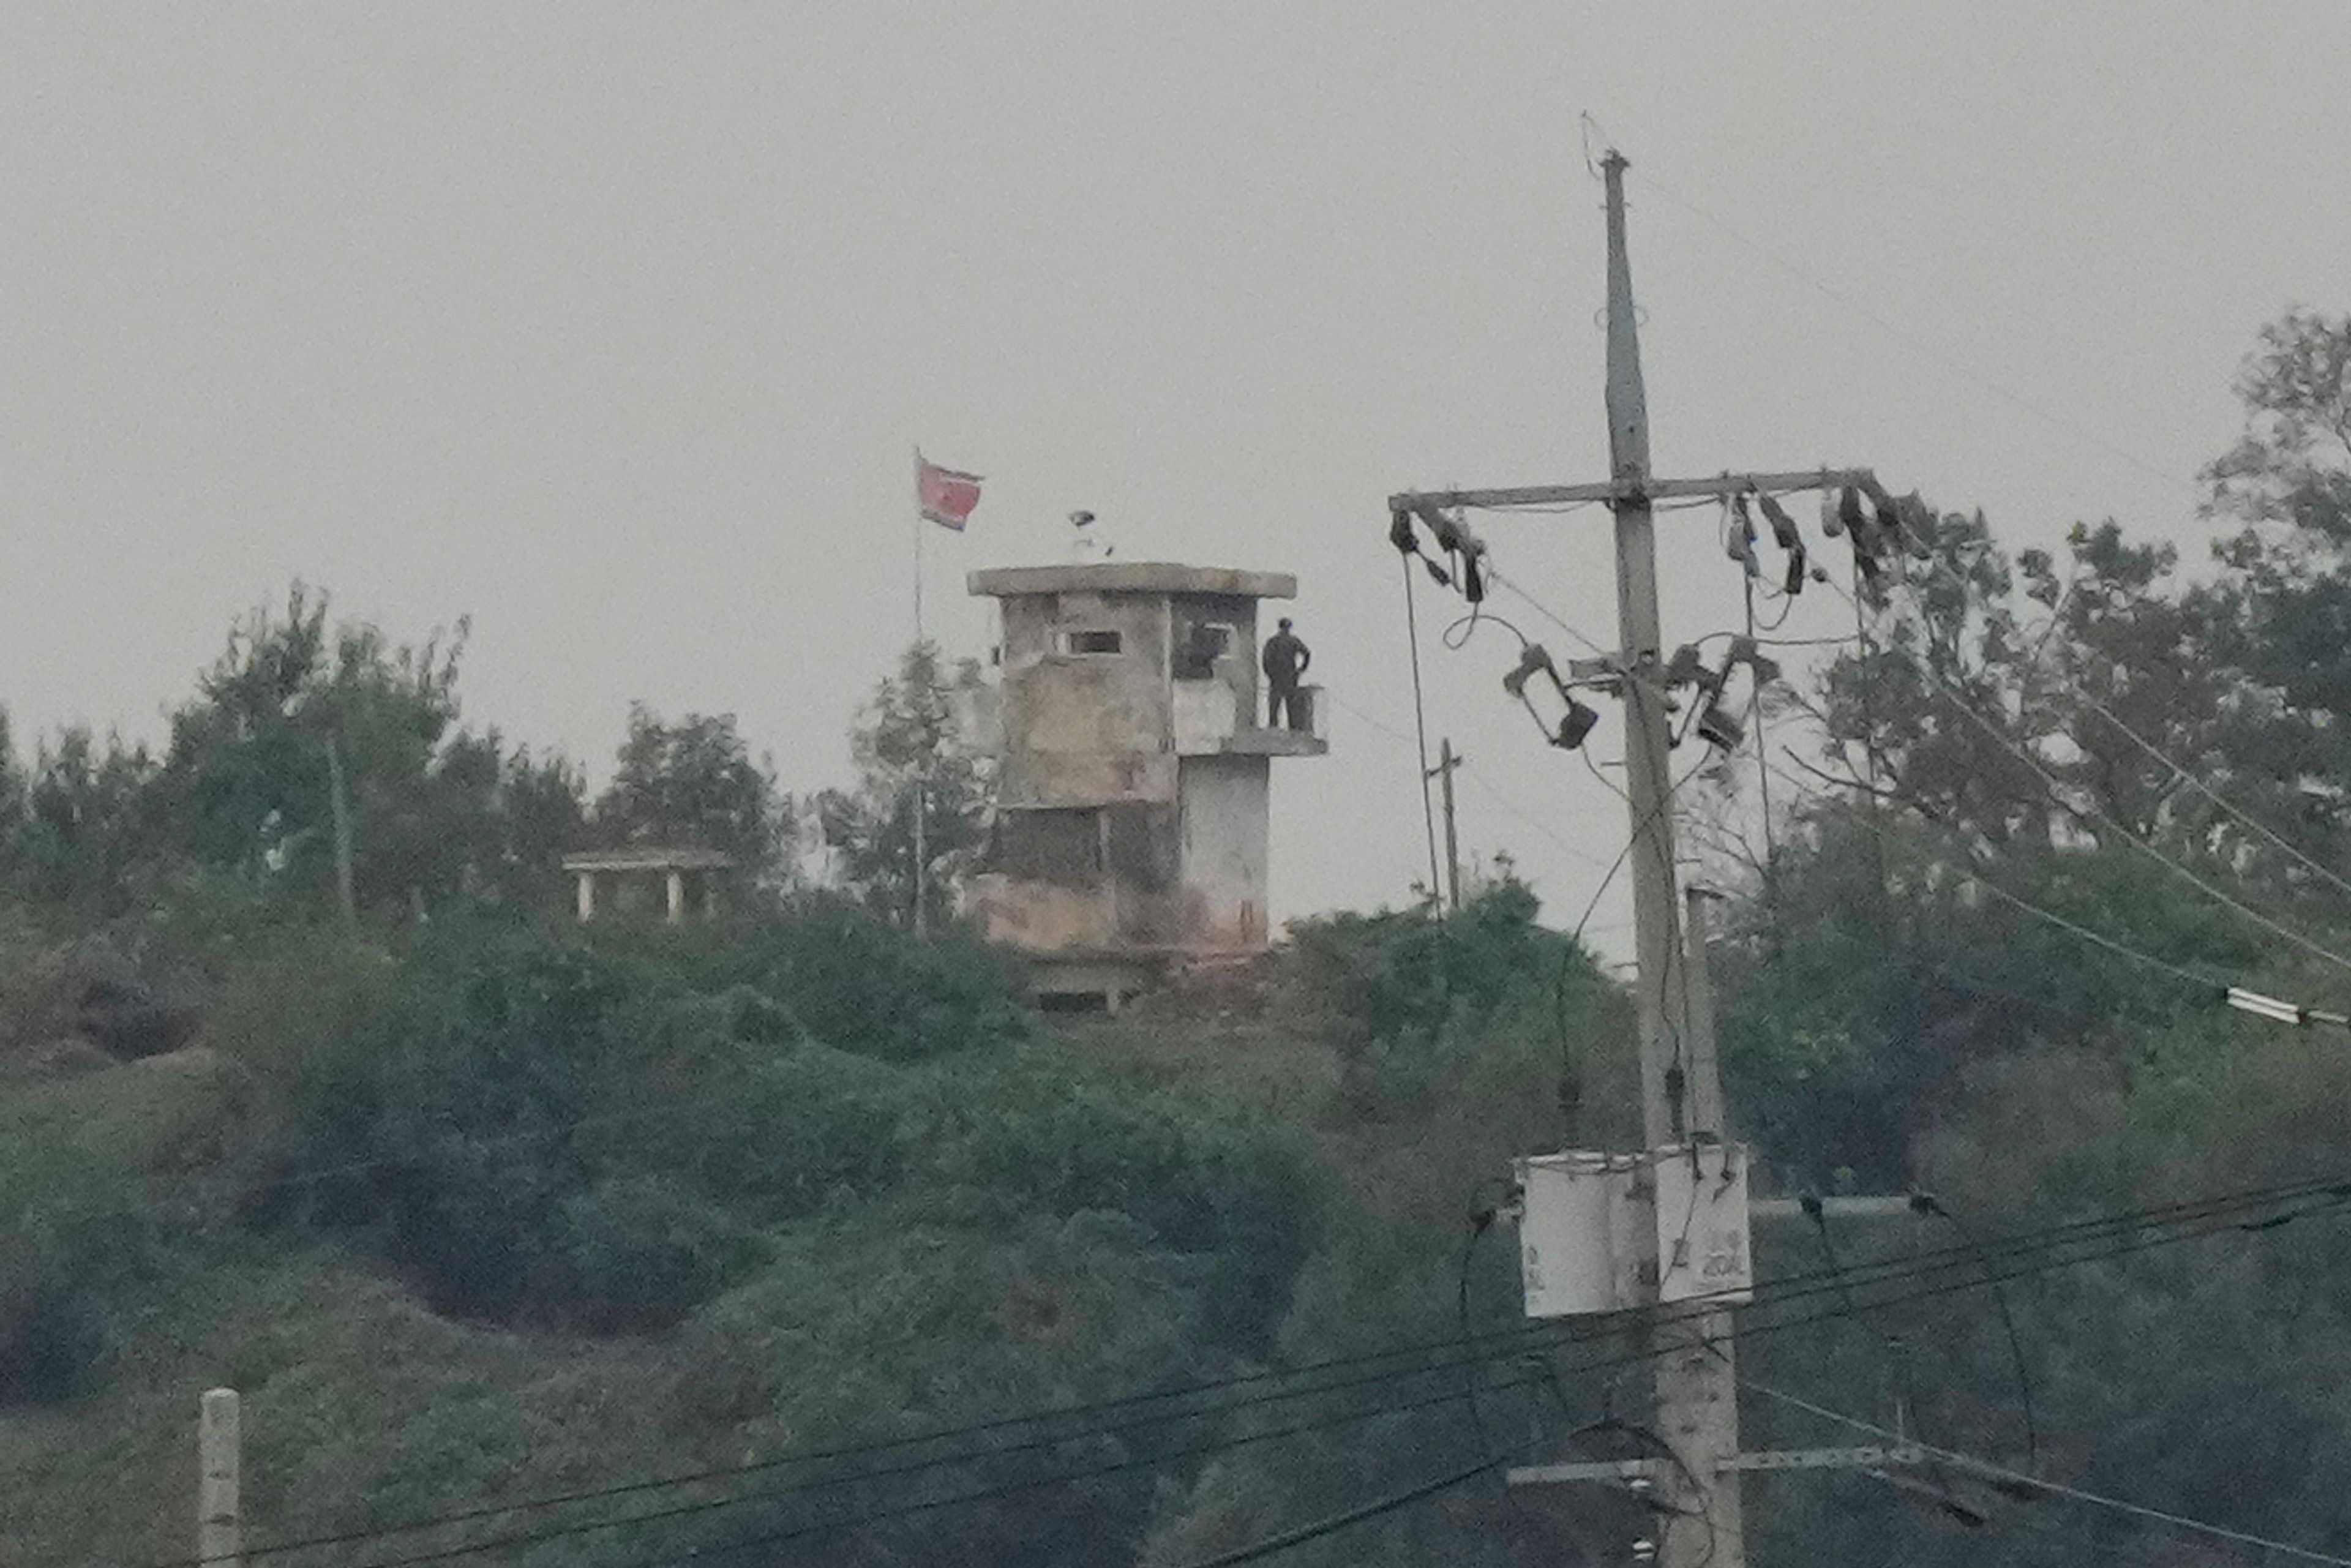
{"x": 434, "y": 811}
{"x": 694, "y": 783}
{"x": 87, "y": 820}
{"x": 12, "y": 801}
{"x": 2284, "y": 606}
{"x": 914, "y": 754}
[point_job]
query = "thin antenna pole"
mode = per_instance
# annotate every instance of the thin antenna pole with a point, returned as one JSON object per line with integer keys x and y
{"x": 1420, "y": 724}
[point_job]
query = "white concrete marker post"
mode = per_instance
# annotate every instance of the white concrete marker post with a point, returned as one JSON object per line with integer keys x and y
{"x": 219, "y": 1456}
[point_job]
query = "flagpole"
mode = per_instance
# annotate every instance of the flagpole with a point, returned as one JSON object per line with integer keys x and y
{"x": 922, "y": 766}
{"x": 918, "y": 551}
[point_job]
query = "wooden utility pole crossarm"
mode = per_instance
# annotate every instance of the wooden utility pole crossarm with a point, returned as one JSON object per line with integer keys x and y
{"x": 1613, "y": 492}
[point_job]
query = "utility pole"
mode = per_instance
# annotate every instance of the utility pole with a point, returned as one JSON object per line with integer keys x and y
{"x": 1698, "y": 1390}
{"x": 1447, "y": 759}
{"x": 1697, "y": 1492}
{"x": 219, "y": 1456}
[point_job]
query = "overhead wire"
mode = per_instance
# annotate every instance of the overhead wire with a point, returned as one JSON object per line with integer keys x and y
{"x": 1974, "y": 877}
{"x": 2207, "y": 987}
{"x": 1917, "y": 343}
{"x": 1338, "y": 1522}
{"x": 2097, "y": 815}
{"x": 1420, "y": 722}
{"x": 1498, "y": 579}
{"x": 1934, "y": 1206}
{"x": 2042, "y": 1487}
{"x": 2209, "y": 1219}
{"x": 2084, "y": 697}
{"x": 2048, "y": 1247}
{"x": 1510, "y": 807}
{"x": 2197, "y": 784}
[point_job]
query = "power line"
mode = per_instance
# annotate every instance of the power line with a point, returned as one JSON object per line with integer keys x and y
{"x": 1510, "y": 807}
{"x": 2056, "y": 1489}
{"x": 1338, "y": 1522}
{"x": 2082, "y": 696}
{"x": 876, "y": 1516}
{"x": 1545, "y": 611}
{"x": 2193, "y": 782}
{"x": 1988, "y": 1280}
{"x": 2089, "y": 700}
{"x": 1920, "y": 344}
{"x": 2215, "y": 990}
{"x": 2212, "y": 1214}
{"x": 2098, "y": 815}
{"x": 1514, "y": 1338}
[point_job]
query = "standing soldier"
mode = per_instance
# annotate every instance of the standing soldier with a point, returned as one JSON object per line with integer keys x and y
{"x": 1286, "y": 658}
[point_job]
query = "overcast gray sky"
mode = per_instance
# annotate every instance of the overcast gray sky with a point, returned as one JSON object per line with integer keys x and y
{"x": 613, "y": 326}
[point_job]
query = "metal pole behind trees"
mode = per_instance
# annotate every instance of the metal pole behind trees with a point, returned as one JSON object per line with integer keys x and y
{"x": 1447, "y": 761}
{"x": 219, "y": 1451}
{"x": 1696, "y": 1388}
{"x": 922, "y": 856}
{"x": 340, "y": 803}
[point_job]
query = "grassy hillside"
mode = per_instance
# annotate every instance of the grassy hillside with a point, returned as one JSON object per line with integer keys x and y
{"x": 491, "y": 1212}
{"x": 503, "y": 1211}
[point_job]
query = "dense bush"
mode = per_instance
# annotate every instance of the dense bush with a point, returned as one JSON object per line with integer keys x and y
{"x": 866, "y": 986}
{"x": 539, "y": 1131}
{"x": 1038, "y": 1130}
{"x": 1402, "y": 989}
{"x": 75, "y": 1247}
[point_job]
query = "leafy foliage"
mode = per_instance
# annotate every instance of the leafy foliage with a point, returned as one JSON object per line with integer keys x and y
{"x": 1407, "y": 986}
{"x": 694, "y": 783}
{"x": 913, "y": 758}
{"x": 800, "y": 1179}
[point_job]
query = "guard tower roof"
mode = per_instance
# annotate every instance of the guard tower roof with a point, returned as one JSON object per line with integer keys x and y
{"x": 1131, "y": 577}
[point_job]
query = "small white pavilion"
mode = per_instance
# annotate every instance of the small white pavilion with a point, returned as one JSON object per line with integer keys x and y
{"x": 634, "y": 871}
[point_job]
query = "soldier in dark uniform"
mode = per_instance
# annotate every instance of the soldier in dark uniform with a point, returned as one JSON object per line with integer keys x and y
{"x": 1286, "y": 658}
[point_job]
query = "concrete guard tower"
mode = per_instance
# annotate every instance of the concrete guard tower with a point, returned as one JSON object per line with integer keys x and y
{"x": 1131, "y": 829}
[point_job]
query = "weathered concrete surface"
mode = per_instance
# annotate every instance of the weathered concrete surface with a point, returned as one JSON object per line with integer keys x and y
{"x": 1222, "y": 810}
{"x": 1153, "y": 577}
{"x": 1084, "y": 729}
{"x": 1205, "y": 718}
{"x": 1042, "y": 917}
{"x": 1132, "y": 790}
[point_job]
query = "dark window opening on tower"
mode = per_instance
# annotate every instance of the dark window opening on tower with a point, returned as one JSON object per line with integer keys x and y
{"x": 1203, "y": 644}
{"x": 1056, "y": 846}
{"x": 1090, "y": 642}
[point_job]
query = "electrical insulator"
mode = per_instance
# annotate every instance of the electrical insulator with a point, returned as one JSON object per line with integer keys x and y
{"x": 1741, "y": 545}
{"x": 1856, "y": 523}
{"x": 1578, "y": 724}
{"x": 1832, "y": 515}
{"x": 1783, "y": 527}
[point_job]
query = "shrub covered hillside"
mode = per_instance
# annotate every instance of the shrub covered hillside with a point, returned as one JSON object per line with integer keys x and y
{"x": 491, "y": 1210}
